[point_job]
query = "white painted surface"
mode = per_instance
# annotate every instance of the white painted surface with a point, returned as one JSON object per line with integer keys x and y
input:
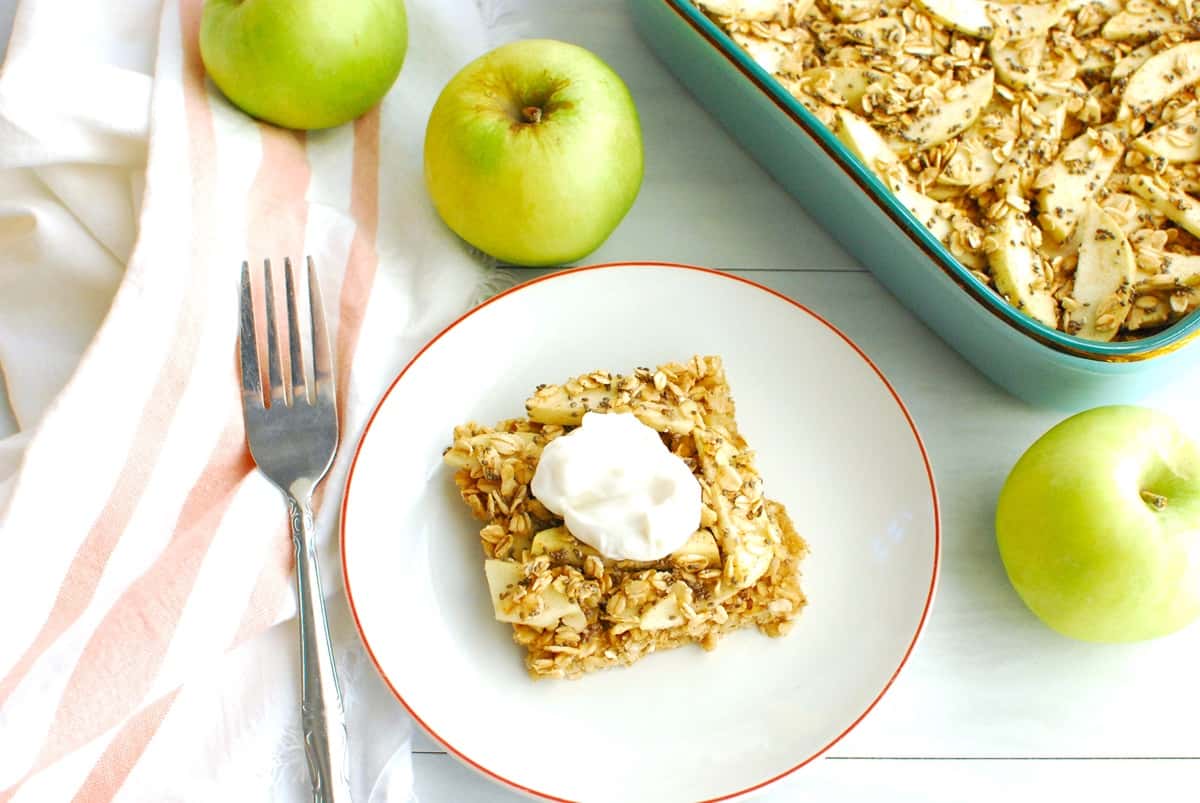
{"x": 992, "y": 706}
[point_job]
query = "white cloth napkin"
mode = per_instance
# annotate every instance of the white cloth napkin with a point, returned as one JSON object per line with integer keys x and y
{"x": 149, "y": 646}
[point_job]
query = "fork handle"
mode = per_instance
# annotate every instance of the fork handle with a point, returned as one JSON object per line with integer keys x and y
{"x": 322, "y": 714}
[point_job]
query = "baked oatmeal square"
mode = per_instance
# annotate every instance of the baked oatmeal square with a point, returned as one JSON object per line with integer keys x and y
{"x": 576, "y": 610}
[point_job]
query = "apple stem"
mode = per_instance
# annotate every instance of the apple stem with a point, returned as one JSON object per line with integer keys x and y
{"x": 532, "y": 114}
{"x": 1155, "y": 501}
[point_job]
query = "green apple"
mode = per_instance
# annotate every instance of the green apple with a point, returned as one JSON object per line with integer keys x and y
{"x": 303, "y": 63}
{"x": 533, "y": 152}
{"x": 1099, "y": 526}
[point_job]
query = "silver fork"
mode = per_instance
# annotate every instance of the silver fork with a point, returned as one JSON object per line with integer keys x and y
{"x": 293, "y": 437}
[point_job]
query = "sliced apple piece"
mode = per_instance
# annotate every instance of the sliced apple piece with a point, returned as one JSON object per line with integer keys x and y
{"x": 757, "y": 10}
{"x": 1132, "y": 212}
{"x": 1161, "y": 77}
{"x": 945, "y": 191}
{"x": 700, "y": 544}
{"x": 1179, "y": 271}
{"x": 866, "y": 143}
{"x": 965, "y": 16}
{"x": 1017, "y": 175}
{"x": 1024, "y": 20}
{"x": 1135, "y": 58}
{"x": 854, "y": 10}
{"x": 766, "y": 53}
{"x": 1185, "y": 267}
{"x": 1185, "y": 182}
{"x": 848, "y": 83}
{"x": 974, "y": 162}
{"x": 1000, "y": 20}
{"x": 1173, "y": 141}
{"x": 503, "y": 575}
{"x": 1150, "y": 21}
{"x": 948, "y": 119}
{"x": 1017, "y": 270}
{"x": 552, "y": 404}
{"x": 1103, "y": 289}
{"x": 477, "y": 445}
{"x": 1072, "y": 180}
{"x": 878, "y": 33}
{"x": 747, "y": 563}
{"x": 559, "y": 542}
{"x": 1100, "y": 59}
{"x": 1178, "y": 206}
{"x": 1017, "y": 61}
{"x": 663, "y": 614}
{"x": 1109, "y": 7}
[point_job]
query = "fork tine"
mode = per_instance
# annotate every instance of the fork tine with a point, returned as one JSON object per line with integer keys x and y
{"x": 248, "y": 345}
{"x": 295, "y": 355}
{"x": 274, "y": 370}
{"x": 322, "y": 363}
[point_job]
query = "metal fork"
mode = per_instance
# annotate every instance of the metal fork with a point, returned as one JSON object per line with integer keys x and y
{"x": 293, "y": 436}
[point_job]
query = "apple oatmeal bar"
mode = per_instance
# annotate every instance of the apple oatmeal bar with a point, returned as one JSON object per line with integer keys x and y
{"x": 575, "y": 610}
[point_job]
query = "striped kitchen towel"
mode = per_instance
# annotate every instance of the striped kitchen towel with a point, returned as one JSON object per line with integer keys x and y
{"x": 147, "y": 564}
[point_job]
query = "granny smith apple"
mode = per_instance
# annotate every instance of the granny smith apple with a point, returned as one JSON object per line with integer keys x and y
{"x": 533, "y": 152}
{"x": 303, "y": 63}
{"x": 1099, "y": 526}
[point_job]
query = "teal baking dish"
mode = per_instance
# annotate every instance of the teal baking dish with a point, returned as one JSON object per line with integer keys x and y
{"x": 1032, "y": 361}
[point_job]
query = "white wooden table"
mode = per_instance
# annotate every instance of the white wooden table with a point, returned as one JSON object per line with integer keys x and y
{"x": 992, "y": 705}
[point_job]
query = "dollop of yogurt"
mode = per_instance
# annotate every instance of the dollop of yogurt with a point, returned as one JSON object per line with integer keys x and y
{"x": 618, "y": 488}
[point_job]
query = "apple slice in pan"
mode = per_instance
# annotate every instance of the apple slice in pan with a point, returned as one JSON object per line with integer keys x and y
{"x": 1024, "y": 20}
{"x": 766, "y": 53}
{"x": 1135, "y": 58}
{"x": 854, "y": 10}
{"x": 847, "y": 83}
{"x": 1033, "y": 148}
{"x": 1161, "y": 77}
{"x": 948, "y": 119}
{"x": 1178, "y": 206}
{"x": 1166, "y": 296}
{"x": 972, "y": 164}
{"x": 866, "y": 143}
{"x": 965, "y": 16}
{"x": 1183, "y": 267}
{"x": 995, "y": 20}
{"x": 1017, "y": 269}
{"x": 1173, "y": 141}
{"x": 754, "y": 10}
{"x": 1102, "y": 295}
{"x": 1109, "y": 7}
{"x": 879, "y": 33}
{"x": 1072, "y": 180}
{"x": 1132, "y": 213}
{"x": 1017, "y": 60}
{"x": 503, "y": 575}
{"x": 1150, "y": 21}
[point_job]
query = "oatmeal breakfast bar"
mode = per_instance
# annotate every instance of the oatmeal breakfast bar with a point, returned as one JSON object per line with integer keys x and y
{"x": 575, "y": 610}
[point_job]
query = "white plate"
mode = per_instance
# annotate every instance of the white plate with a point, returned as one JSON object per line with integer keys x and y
{"x": 834, "y": 443}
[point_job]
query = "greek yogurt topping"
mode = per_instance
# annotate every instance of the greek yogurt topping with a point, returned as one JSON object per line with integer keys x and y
{"x": 618, "y": 488}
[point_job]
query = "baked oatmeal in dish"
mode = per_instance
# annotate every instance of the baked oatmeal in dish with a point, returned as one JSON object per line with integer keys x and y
{"x": 575, "y": 609}
{"x": 1053, "y": 146}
